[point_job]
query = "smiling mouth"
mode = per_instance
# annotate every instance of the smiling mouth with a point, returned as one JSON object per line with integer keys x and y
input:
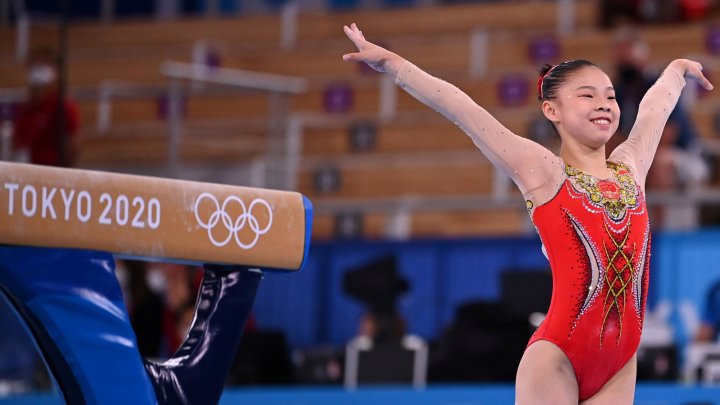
{"x": 601, "y": 121}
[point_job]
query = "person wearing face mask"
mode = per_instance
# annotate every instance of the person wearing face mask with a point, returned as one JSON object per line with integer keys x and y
{"x": 45, "y": 127}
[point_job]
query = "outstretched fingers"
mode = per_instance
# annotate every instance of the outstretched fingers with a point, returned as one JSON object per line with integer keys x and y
{"x": 356, "y": 30}
{"x": 705, "y": 83}
{"x": 357, "y": 40}
{"x": 352, "y": 57}
{"x": 356, "y": 36}
{"x": 697, "y": 72}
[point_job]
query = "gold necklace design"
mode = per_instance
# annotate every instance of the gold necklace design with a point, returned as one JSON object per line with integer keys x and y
{"x": 615, "y": 196}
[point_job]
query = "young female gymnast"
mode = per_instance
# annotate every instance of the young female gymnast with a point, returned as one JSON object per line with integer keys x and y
{"x": 590, "y": 214}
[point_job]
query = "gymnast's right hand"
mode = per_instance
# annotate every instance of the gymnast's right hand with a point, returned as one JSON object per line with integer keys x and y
{"x": 375, "y": 56}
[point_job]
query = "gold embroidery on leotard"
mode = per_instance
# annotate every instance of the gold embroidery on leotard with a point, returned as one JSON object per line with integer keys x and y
{"x": 614, "y": 196}
{"x": 618, "y": 276}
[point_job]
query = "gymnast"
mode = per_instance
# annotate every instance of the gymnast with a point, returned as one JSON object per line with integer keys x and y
{"x": 589, "y": 211}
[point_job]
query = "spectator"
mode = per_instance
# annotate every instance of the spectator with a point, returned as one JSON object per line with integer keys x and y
{"x": 378, "y": 285}
{"x": 161, "y": 303}
{"x": 45, "y": 129}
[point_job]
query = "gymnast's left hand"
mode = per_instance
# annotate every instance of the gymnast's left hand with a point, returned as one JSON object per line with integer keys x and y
{"x": 693, "y": 69}
{"x": 375, "y": 56}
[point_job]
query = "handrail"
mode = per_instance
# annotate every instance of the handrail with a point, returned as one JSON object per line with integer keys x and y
{"x": 234, "y": 77}
{"x": 277, "y": 86}
{"x": 280, "y": 153}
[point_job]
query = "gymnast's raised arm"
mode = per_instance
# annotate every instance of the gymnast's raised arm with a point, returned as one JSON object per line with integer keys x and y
{"x": 655, "y": 108}
{"x": 528, "y": 163}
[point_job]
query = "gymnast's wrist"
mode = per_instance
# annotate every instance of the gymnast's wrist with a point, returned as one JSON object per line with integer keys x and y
{"x": 393, "y": 65}
{"x": 399, "y": 69}
{"x": 678, "y": 67}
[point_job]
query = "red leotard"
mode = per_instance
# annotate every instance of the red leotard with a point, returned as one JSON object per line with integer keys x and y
{"x": 597, "y": 238}
{"x": 596, "y": 232}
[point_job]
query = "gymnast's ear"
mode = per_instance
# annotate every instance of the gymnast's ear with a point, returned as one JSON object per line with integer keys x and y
{"x": 550, "y": 111}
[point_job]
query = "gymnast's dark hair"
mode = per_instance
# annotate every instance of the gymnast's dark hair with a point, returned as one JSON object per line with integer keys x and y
{"x": 551, "y": 77}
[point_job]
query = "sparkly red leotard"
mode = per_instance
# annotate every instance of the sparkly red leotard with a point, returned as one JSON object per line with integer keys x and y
{"x": 596, "y": 232}
{"x": 597, "y": 240}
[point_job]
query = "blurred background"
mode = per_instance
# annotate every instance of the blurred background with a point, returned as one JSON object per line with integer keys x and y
{"x": 425, "y": 269}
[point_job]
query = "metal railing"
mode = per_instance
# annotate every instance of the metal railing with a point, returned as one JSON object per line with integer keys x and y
{"x": 181, "y": 78}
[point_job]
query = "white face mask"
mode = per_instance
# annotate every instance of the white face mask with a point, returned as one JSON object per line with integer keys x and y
{"x": 156, "y": 281}
{"x": 40, "y": 75}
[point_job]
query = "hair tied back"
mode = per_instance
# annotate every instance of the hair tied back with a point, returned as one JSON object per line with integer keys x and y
{"x": 541, "y": 79}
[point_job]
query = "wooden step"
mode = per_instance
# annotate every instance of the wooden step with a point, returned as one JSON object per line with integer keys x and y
{"x": 394, "y": 179}
{"x": 437, "y": 135}
{"x": 117, "y": 150}
{"x": 506, "y": 16}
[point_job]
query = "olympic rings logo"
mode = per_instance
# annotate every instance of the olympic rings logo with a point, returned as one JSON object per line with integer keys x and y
{"x": 246, "y": 217}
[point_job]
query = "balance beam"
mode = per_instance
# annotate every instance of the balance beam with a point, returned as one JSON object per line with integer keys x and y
{"x": 138, "y": 216}
{"x": 60, "y": 231}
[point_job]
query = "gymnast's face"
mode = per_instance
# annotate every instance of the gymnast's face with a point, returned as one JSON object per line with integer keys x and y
{"x": 585, "y": 110}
